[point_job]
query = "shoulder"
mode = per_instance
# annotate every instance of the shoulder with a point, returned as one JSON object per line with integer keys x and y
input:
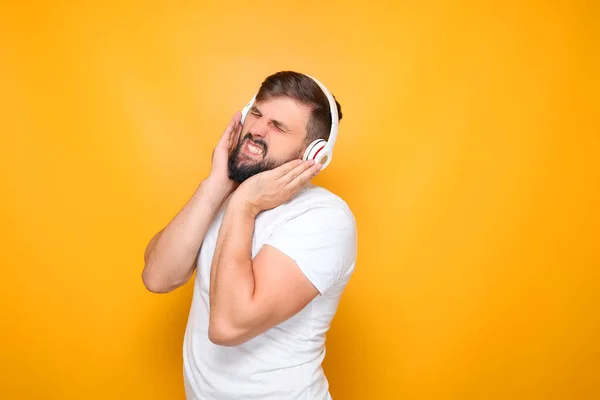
{"x": 317, "y": 230}
{"x": 318, "y": 221}
{"x": 318, "y": 208}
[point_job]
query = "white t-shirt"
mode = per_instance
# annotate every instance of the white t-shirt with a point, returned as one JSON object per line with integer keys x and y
{"x": 316, "y": 229}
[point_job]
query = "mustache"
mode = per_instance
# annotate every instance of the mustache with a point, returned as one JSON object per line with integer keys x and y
{"x": 258, "y": 142}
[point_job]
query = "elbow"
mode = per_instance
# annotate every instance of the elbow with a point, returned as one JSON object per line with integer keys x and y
{"x": 154, "y": 283}
{"x": 223, "y": 333}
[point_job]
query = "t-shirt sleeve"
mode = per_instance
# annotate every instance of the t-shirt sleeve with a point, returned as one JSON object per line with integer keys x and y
{"x": 322, "y": 241}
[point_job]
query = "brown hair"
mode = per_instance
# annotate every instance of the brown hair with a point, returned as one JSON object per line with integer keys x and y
{"x": 305, "y": 90}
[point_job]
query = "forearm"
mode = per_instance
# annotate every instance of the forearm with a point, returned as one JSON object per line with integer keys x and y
{"x": 170, "y": 256}
{"x": 232, "y": 278}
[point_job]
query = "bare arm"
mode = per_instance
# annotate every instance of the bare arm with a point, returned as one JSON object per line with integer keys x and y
{"x": 170, "y": 257}
{"x": 249, "y": 296}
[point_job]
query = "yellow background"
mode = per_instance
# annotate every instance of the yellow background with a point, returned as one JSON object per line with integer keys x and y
{"x": 468, "y": 151}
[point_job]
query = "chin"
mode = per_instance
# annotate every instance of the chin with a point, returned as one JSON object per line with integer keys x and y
{"x": 240, "y": 169}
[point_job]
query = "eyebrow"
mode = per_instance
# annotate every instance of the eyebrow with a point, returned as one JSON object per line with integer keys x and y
{"x": 275, "y": 122}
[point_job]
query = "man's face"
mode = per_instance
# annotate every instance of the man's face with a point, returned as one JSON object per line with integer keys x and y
{"x": 274, "y": 133}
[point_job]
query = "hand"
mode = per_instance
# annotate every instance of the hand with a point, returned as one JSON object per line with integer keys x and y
{"x": 272, "y": 188}
{"x": 227, "y": 143}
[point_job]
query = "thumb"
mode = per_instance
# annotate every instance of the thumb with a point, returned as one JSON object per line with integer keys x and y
{"x": 233, "y": 134}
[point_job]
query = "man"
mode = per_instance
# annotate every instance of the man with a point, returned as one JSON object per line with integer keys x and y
{"x": 273, "y": 253}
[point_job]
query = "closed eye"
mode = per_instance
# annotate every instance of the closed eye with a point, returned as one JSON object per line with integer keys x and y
{"x": 278, "y": 125}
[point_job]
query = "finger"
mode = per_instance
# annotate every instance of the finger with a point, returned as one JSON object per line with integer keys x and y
{"x": 230, "y": 126}
{"x": 295, "y": 172}
{"x": 285, "y": 168}
{"x": 235, "y": 136}
{"x": 226, "y": 136}
{"x": 304, "y": 175}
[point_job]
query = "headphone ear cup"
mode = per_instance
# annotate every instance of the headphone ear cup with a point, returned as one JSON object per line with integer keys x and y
{"x": 313, "y": 150}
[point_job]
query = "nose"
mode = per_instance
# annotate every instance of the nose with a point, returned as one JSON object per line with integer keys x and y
{"x": 259, "y": 127}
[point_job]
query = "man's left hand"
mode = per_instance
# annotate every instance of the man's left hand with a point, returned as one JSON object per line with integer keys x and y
{"x": 272, "y": 188}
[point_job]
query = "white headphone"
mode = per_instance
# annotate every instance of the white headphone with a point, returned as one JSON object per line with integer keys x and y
{"x": 319, "y": 150}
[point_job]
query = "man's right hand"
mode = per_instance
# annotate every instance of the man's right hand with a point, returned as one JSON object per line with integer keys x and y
{"x": 218, "y": 177}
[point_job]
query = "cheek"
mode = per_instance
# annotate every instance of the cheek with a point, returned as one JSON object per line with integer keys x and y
{"x": 285, "y": 149}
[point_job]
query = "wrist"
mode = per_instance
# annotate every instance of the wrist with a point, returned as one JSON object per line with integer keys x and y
{"x": 214, "y": 190}
{"x": 242, "y": 206}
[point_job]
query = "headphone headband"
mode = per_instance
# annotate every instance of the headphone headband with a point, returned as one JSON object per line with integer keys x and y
{"x": 334, "y": 114}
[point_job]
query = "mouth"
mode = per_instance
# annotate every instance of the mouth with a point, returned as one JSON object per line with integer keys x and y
{"x": 253, "y": 149}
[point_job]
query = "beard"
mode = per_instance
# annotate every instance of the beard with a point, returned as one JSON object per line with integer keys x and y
{"x": 241, "y": 167}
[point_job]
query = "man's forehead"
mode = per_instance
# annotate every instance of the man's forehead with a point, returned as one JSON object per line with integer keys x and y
{"x": 282, "y": 107}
